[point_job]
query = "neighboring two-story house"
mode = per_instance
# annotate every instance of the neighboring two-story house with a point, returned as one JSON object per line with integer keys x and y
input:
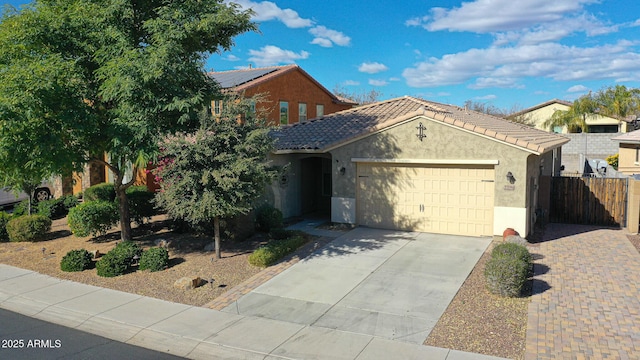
{"x": 290, "y": 94}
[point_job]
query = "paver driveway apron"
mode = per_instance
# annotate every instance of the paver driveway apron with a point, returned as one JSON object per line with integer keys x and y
{"x": 390, "y": 284}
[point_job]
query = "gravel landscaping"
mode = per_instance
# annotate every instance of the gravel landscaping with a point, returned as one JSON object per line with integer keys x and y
{"x": 475, "y": 321}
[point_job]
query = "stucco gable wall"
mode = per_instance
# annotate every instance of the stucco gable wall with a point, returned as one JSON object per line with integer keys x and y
{"x": 441, "y": 142}
{"x": 540, "y": 115}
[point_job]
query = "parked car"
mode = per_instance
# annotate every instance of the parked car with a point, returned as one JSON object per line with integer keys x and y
{"x": 7, "y": 197}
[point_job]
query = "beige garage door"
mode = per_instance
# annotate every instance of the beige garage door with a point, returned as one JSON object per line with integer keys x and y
{"x": 435, "y": 198}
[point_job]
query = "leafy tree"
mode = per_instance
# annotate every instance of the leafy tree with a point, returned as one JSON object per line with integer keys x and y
{"x": 219, "y": 170}
{"x": 81, "y": 78}
{"x": 575, "y": 119}
{"x": 618, "y": 102}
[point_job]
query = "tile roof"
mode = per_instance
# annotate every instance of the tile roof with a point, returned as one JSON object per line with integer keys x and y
{"x": 540, "y": 106}
{"x": 330, "y": 131}
{"x": 630, "y": 137}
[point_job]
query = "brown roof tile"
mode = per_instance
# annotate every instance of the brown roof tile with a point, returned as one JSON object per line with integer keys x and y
{"x": 330, "y": 131}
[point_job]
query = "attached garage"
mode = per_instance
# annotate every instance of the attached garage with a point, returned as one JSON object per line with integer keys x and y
{"x": 416, "y": 165}
{"x": 445, "y": 199}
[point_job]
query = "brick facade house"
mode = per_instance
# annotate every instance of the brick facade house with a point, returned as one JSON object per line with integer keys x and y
{"x": 291, "y": 95}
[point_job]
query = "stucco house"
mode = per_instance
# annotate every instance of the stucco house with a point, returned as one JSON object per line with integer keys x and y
{"x": 629, "y": 153}
{"x": 291, "y": 95}
{"x": 540, "y": 113}
{"x": 412, "y": 164}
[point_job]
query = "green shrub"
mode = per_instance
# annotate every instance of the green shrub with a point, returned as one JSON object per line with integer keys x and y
{"x": 276, "y": 250}
{"x": 512, "y": 250}
{"x": 28, "y": 227}
{"x": 76, "y": 260}
{"x": 507, "y": 270}
{"x": 154, "y": 259}
{"x": 22, "y": 208}
{"x": 118, "y": 260}
{"x": 4, "y": 219}
{"x": 268, "y": 218}
{"x": 104, "y": 192}
{"x": 140, "y": 203}
{"x": 56, "y": 208}
{"x": 94, "y": 217}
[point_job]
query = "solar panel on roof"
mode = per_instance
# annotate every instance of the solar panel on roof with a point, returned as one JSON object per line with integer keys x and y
{"x": 229, "y": 79}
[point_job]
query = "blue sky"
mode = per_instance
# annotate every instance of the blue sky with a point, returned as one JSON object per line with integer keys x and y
{"x": 501, "y": 52}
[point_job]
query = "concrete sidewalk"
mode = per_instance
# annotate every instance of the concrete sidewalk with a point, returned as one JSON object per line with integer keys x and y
{"x": 192, "y": 332}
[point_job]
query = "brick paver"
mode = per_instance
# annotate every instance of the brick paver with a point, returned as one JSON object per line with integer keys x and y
{"x": 586, "y": 295}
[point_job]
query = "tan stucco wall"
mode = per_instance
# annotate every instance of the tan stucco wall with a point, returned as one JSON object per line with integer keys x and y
{"x": 627, "y": 159}
{"x": 442, "y": 142}
{"x": 539, "y": 116}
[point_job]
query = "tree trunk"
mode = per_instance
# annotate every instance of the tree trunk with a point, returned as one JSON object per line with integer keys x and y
{"x": 123, "y": 206}
{"x": 216, "y": 236}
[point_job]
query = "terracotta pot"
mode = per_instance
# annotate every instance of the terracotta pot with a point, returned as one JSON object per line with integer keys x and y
{"x": 509, "y": 232}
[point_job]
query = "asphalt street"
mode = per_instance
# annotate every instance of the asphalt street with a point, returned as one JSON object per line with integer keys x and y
{"x": 22, "y": 337}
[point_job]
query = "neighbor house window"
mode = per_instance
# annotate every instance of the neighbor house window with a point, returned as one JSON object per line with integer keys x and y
{"x": 319, "y": 110}
{"x": 637, "y": 156}
{"x": 302, "y": 112}
{"x": 217, "y": 107}
{"x": 284, "y": 112}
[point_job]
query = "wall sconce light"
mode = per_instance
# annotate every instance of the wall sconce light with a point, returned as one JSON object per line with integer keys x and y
{"x": 342, "y": 170}
{"x": 510, "y": 178}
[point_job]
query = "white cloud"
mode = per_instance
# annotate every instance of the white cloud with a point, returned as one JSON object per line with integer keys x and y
{"x": 272, "y": 55}
{"x": 486, "y": 16}
{"x": 351, "y": 83}
{"x": 375, "y": 82}
{"x": 372, "y": 68}
{"x": 327, "y": 37}
{"x": 486, "y": 97}
{"x": 488, "y": 82}
{"x": 322, "y": 42}
{"x": 549, "y": 60}
{"x": 556, "y": 30}
{"x": 578, "y": 88}
{"x": 231, "y": 57}
{"x": 267, "y": 10}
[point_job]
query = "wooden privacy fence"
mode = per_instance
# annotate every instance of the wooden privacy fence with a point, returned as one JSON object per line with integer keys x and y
{"x": 585, "y": 200}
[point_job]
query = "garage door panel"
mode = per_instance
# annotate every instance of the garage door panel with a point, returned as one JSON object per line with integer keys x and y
{"x": 441, "y": 199}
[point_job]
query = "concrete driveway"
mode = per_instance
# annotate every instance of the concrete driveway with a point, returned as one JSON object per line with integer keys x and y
{"x": 388, "y": 284}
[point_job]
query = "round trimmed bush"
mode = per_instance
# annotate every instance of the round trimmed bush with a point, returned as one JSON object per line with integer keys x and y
{"x": 4, "y": 219}
{"x": 268, "y": 218}
{"x": 507, "y": 270}
{"x": 57, "y": 208}
{"x": 28, "y": 228}
{"x": 154, "y": 259}
{"x": 76, "y": 260}
{"x": 118, "y": 260}
{"x": 512, "y": 250}
{"x": 100, "y": 192}
{"x": 94, "y": 217}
